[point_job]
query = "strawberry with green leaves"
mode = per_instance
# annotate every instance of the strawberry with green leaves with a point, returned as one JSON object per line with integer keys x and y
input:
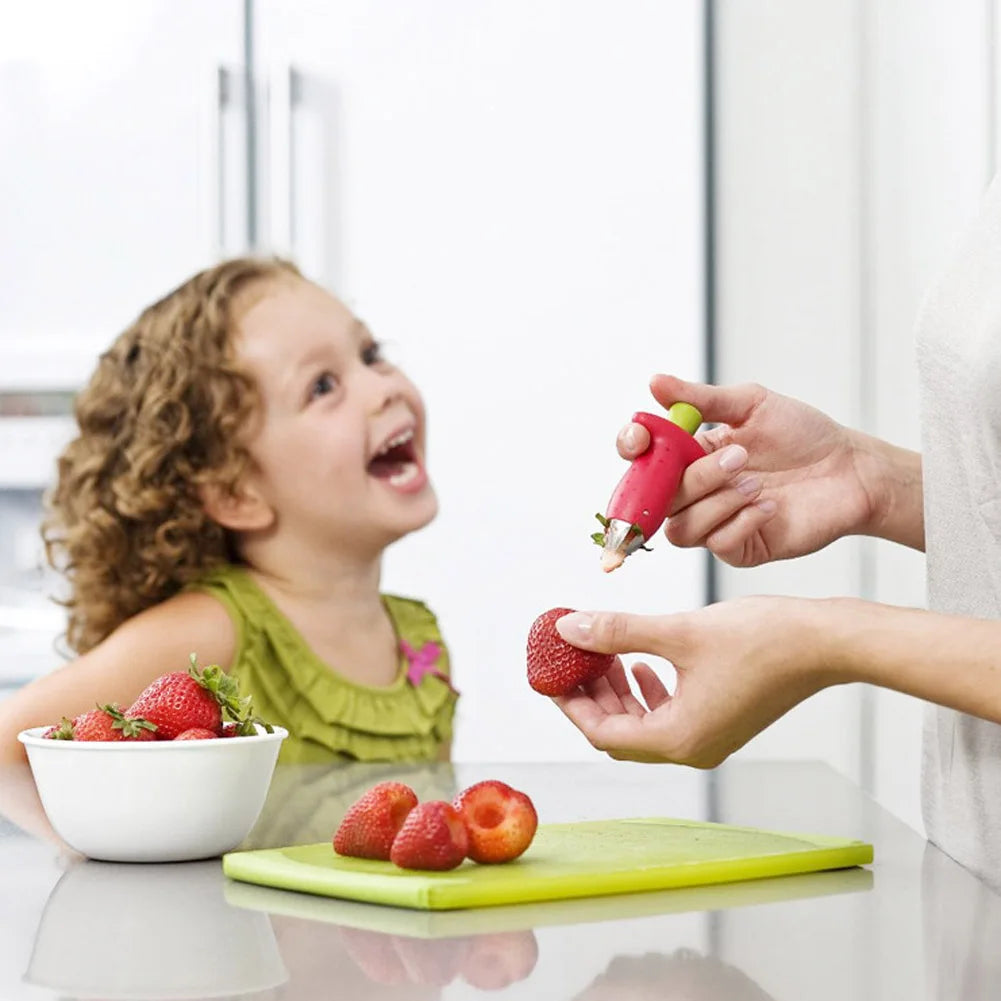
{"x": 186, "y": 700}
{"x": 108, "y": 722}
{"x": 63, "y": 730}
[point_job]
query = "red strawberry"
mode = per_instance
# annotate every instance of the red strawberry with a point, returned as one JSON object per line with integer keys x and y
{"x": 197, "y": 733}
{"x": 501, "y": 821}
{"x": 554, "y": 666}
{"x": 108, "y": 723}
{"x": 432, "y": 837}
{"x": 64, "y": 731}
{"x": 372, "y": 823}
{"x": 184, "y": 700}
{"x": 244, "y": 728}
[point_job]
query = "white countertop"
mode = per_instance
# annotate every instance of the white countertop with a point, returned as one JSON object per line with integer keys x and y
{"x": 914, "y": 925}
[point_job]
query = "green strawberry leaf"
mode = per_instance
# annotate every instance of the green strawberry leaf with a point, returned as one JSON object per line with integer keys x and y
{"x": 239, "y": 709}
{"x": 598, "y": 539}
{"x": 130, "y": 726}
{"x": 64, "y": 731}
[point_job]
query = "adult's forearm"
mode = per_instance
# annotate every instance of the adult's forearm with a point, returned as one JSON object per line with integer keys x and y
{"x": 950, "y": 660}
{"x": 892, "y": 477}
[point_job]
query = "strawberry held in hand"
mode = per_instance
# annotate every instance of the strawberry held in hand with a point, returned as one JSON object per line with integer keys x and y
{"x": 500, "y": 820}
{"x": 554, "y": 666}
{"x": 433, "y": 836}
{"x": 371, "y": 824}
{"x": 186, "y": 700}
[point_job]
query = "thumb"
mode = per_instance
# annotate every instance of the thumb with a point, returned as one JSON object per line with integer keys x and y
{"x": 620, "y": 632}
{"x": 731, "y": 405}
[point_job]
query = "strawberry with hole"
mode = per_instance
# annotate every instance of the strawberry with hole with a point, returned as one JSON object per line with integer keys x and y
{"x": 501, "y": 821}
{"x": 555, "y": 667}
{"x": 197, "y": 733}
{"x": 109, "y": 723}
{"x": 183, "y": 700}
{"x": 433, "y": 836}
{"x": 372, "y": 823}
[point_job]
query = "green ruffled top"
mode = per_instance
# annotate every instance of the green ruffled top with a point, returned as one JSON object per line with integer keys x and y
{"x": 328, "y": 716}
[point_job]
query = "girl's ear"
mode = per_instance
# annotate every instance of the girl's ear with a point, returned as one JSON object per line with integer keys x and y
{"x": 241, "y": 509}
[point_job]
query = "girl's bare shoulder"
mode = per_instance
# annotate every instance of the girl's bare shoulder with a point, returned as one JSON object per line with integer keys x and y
{"x": 154, "y": 642}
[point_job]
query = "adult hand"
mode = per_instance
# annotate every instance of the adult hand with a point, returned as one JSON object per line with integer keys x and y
{"x": 740, "y": 666}
{"x": 781, "y": 479}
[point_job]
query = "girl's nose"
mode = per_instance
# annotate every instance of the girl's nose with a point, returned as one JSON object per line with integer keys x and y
{"x": 384, "y": 389}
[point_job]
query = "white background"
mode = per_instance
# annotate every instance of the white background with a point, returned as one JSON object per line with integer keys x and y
{"x": 854, "y": 147}
{"x": 510, "y": 194}
{"x": 517, "y": 210}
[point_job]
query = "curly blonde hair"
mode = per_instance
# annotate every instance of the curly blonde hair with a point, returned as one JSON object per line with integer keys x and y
{"x": 159, "y": 420}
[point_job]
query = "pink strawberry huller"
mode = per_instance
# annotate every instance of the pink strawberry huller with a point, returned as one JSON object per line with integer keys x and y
{"x": 643, "y": 499}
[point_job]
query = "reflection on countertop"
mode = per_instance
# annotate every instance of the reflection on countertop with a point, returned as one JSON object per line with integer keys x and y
{"x": 914, "y": 925}
{"x": 130, "y": 931}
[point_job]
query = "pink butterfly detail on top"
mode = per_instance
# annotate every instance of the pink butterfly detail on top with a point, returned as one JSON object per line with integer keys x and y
{"x": 422, "y": 662}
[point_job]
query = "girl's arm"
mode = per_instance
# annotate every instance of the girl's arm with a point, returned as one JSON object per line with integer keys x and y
{"x": 118, "y": 669}
{"x": 742, "y": 664}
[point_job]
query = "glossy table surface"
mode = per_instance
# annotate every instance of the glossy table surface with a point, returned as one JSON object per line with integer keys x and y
{"x": 914, "y": 925}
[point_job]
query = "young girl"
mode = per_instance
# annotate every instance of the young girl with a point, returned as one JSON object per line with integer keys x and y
{"x": 245, "y": 455}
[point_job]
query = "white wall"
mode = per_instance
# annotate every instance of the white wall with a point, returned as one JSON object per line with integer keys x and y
{"x": 853, "y": 147}
{"x": 513, "y": 202}
{"x": 928, "y": 162}
{"x": 787, "y": 274}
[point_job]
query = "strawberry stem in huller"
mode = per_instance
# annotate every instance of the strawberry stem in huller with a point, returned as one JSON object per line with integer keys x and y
{"x": 643, "y": 499}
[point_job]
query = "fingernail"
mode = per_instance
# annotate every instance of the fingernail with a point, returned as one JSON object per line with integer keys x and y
{"x": 575, "y": 627}
{"x": 749, "y": 485}
{"x": 767, "y": 506}
{"x": 629, "y": 437}
{"x": 732, "y": 458}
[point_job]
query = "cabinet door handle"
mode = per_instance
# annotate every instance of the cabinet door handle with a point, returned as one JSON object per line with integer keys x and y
{"x": 223, "y": 94}
{"x": 235, "y": 170}
{"x": 283, "y": 99}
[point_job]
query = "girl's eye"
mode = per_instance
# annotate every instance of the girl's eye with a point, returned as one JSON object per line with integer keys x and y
{"x": 322, "y": 385}
{"x": 372, "y": 354}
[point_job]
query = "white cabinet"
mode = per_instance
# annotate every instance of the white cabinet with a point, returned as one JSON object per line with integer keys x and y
{"x": 510, "y": 194}
{"x": 123, "y": 170}
{"x": 117, "y": 144}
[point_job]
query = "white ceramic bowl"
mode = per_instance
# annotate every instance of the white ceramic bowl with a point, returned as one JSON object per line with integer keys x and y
{"x": 153, "y": 801}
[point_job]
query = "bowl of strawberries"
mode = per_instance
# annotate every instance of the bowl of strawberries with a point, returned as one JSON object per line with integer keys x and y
{"x": 180, "y": 774}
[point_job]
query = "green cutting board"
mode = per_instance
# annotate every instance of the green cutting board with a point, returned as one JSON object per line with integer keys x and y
{"x": 583, "y": 859}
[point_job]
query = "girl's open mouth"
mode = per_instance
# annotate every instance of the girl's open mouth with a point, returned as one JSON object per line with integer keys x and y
{"x": 397, "y": 462}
